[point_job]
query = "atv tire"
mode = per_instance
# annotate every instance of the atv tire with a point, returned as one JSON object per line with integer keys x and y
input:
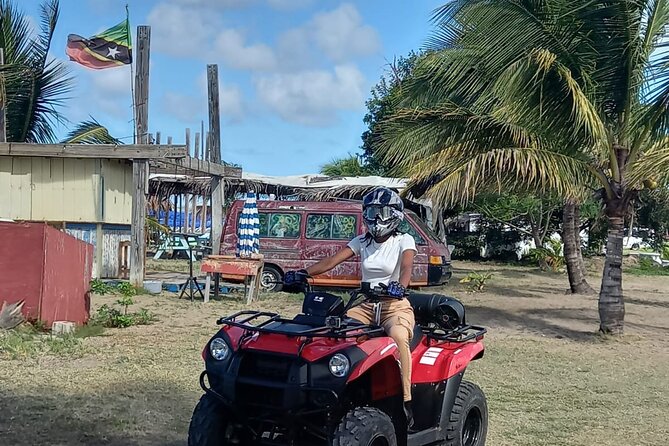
{"x": 365, "y": 426}
{"x": 208, "y": 425}
{"x": 468, "y": 423}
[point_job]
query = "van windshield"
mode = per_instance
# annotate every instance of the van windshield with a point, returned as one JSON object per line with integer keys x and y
{"x": 423, "y": 226}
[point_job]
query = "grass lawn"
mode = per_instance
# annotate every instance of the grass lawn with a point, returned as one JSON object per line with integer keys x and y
{"x": 549, "y": 378}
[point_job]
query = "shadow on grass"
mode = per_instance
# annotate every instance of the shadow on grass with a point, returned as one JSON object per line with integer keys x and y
{"x": 124, "y": 414}
{"x": 647, "y": 303}
{"x": 537, "y": 321}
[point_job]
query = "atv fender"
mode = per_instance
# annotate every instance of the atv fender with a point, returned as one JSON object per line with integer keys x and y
{"x": 437, "y": 362}
{"x": 381, "y": 366}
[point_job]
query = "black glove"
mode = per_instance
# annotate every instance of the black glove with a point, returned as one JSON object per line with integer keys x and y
{"x": 293, "y": 279}
{"x": 396, "y": 290}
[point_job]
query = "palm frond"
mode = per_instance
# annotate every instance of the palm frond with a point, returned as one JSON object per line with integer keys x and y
{"x": 654, "y": 165}
{"x": 90, "y": 132}
{"x": 36, "y": 87}
{"x": 450, "y": 182}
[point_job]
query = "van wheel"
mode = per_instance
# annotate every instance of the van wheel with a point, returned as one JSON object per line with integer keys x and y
{"x": 270, "y": 276}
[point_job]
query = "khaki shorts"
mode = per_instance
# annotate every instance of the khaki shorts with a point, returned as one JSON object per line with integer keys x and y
{"x": 393, "y": 312}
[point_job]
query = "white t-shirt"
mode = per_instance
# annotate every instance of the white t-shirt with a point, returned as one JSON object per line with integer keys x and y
{"x": 381, "y": 261}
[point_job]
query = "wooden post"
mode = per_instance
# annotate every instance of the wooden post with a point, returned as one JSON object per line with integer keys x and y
{"x": 149, "y": 140}
{"x": 194, "y": 217}
{"x": 204, "y": 140}
{"x": 157, "y": 137}
{"x": 140, "y": 167}
{"x": 169, "y": 140}
{"x": 197, "y": 145}
{"x": 3, "y": 102}
{"x": 188, "y": 141}
{"x": 217, "y": 183}
{"x": 207, "y": 150}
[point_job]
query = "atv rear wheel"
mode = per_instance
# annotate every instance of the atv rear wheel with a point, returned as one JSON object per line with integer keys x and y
{"x": 468, "y": 423}
{"x": 208, "y": 425}
{"x": 365, "y": 426}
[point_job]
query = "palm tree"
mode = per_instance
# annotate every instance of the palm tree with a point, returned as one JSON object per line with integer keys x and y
{"x": 345, "y": 167}
{"x": 36, "y": 86}
{"x": 561, "y": 96}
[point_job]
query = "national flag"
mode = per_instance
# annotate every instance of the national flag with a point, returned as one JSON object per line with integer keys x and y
{"x": 110, "y": 48}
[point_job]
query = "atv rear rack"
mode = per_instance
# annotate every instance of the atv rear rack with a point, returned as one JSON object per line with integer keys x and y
{"x": 463, "y": 333}
{"x": 324, "y": 331}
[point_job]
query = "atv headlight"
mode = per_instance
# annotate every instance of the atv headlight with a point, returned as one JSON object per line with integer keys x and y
{"x": 339, "y": 365}
{"x": 219, "y": 349}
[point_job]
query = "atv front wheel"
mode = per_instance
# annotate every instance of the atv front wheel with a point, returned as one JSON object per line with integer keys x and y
{"x": 365, "y": 426}
{"x": 208, "y": 425}
{"x": 468, "y": 423}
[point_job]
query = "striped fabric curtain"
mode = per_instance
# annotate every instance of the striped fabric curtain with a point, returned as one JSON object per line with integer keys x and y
{"x": 249, "y": 228}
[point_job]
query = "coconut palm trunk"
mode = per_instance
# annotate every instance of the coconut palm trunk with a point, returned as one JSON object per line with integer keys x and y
{"x": 611, "y": 302}
{"x": 572, "y": 249}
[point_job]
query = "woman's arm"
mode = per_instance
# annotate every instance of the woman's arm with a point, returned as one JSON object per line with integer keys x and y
{"x": 328, "y": 263}
{"x": 406, "y": 267}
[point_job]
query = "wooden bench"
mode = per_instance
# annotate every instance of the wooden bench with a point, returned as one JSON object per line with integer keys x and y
{"x": 248, "y": 270}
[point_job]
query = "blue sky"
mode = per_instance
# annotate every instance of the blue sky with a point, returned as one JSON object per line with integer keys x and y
{"x": 294, "y": 74}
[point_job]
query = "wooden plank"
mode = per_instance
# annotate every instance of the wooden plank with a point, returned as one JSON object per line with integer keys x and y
{"x": 3, "y": 103}
{"x": 188, "y": 142}
{"x": 202, "y": 166}
{"x": 111, "y": 151}
{"x": 230, "y": 265}
{"x": 5, "y": 182}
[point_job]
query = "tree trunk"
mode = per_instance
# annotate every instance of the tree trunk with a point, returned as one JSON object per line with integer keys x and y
{"x": 611, "y": 303}
{"x": 577, "y": 235}
{"x": 572, "y": 250}
{"x": 539, "y": 243}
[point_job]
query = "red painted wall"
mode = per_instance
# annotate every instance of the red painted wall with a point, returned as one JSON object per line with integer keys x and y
{"x": 48, "y": 269}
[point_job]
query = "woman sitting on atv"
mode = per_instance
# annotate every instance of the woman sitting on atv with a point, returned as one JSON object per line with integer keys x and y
{"x": 387, "y": 258}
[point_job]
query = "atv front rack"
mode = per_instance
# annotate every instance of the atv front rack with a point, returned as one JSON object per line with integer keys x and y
{"x": 335, "y": 330}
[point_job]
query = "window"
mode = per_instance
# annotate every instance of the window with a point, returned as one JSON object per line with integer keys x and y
{"x": 279, "y": 225}
{"x": 331, "y": 227}
{"x": 407, "y": 228}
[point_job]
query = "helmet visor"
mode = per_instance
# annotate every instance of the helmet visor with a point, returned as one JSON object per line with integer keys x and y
{"x": 378, "y": 213}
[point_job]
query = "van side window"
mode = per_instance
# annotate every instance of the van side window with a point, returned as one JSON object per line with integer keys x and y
{"x": 331, "y": 227}
{"x": 344, "y": 227}
{"x": 279, "y": 224}
{"x": 407, "y": 228}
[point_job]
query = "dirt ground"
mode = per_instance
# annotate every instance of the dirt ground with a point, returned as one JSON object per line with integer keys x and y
{"x": 549, "y": 378}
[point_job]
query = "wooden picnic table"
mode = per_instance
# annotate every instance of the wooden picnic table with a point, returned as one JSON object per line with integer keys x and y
{"x": 246, "y": 269}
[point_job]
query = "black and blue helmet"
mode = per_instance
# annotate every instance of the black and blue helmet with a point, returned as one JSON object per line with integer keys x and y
{"x": 382, "y": 211}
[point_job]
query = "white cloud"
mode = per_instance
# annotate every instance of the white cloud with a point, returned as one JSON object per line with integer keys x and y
{"x": 342, "y": 34}
{"x": 187, "y": 108}
{"x": 313, "y": 97}
{"x": 109, "y": 92}
{"x": 181, "y": 31}
{"x": 230, "y": 46}
{"x": 339, "y": 34}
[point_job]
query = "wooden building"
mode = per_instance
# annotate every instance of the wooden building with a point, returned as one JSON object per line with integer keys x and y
{"x": 87, "y": 190}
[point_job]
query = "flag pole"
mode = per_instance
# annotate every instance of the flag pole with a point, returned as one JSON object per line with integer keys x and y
{"x": 132, "y": 77}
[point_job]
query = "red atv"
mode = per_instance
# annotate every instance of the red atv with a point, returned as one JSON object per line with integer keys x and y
{"x": 324, "y": 379}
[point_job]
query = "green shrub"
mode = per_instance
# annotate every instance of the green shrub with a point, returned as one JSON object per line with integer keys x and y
{"x": 110, "y": 317}
{"x": 100, "y": 287}
{"x": 551, "y": 256}
{"x": 476, "y": 281}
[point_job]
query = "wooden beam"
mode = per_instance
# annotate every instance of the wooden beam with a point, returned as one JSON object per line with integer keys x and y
{"x": 203, "y": 167}
{"x": 188, "y": 141}
{"x": 169, "y": 140}
{"x": 109, "y": 151}
{"x": 157, "y": 137}
{"x": 140, "y": 167}
{"x": 214, "y": 113}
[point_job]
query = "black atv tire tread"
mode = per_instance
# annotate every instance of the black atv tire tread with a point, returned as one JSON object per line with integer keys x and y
{"x": 356, "y": 422}
{"x": 203, "y": 423}
{"x": 467, "y": 392}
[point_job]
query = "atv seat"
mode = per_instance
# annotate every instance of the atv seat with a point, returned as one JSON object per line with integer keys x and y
{"x": 417, "y": 337}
